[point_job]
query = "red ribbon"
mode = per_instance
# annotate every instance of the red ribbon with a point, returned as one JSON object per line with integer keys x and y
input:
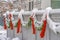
{"x": 43, "y": 29}
{"x": 33, "y": 26}
{"x": 5, "y": 26}
{"x": 19, "y": 26}
{"x": 11, "y": 24}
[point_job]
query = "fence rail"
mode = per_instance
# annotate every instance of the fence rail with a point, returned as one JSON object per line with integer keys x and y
{"x": 27, "y": 34}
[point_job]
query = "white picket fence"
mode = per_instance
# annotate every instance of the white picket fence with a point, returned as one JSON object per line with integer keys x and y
{"x": 27, "y": 33}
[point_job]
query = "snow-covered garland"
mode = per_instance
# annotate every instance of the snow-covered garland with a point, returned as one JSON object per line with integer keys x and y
{"x": 39, "y": 25}
{"x": 31, "y": 22}
{"x": 28, "y": 24}
{"x": 10, "y": 23}
{"x": 39, "y": 28}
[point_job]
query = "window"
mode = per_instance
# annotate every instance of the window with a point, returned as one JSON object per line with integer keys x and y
{"x": 55, "y": 4}
{"x": 37, "y": 4}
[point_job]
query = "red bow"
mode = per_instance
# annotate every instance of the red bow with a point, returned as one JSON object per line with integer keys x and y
{"x": 43, "y": 28}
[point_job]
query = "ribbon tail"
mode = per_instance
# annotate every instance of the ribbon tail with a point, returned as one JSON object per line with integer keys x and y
{"x": 19, "y": 26}
{"x": 11, "y": 25}
{"x": 43, "y": 29}
{"x": 5, "y": 26}
{"x": 33, "y": 26}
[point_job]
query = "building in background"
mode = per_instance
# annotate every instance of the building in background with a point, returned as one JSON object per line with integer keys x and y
{"x": 55, "y": 4}
{"x": 30, "y": 4}
{"x": 23, "y": 4}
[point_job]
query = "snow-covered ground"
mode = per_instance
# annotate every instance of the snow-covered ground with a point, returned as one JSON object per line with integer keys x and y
{"x": 3, "y": 33}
